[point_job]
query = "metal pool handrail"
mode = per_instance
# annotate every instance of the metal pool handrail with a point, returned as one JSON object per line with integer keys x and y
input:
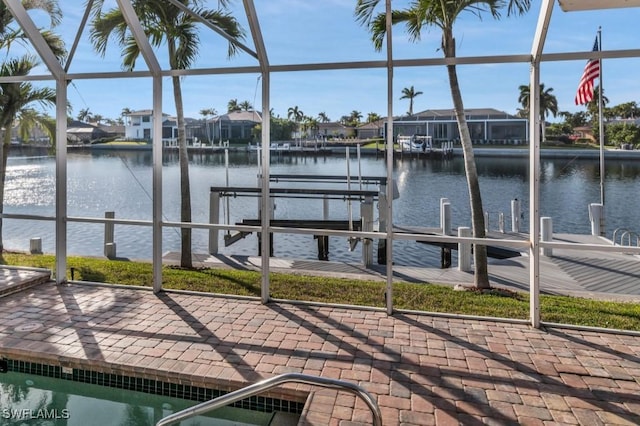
{"x": 267, "y": 384}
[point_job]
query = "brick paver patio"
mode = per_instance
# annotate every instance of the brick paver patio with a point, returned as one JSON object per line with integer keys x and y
{"x": 422, "y": 369}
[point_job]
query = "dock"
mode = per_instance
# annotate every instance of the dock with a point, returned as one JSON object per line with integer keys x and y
{"x": 579, "y": 273}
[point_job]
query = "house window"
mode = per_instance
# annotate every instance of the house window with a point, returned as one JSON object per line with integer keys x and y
{"x": 146, "y": 119}
{"x": 440, "y": 131}
{"x": 476, "y": 130}
{"x": 508, "y": 131}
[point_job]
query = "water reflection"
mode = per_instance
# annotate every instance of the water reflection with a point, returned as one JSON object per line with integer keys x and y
{"x": 122, "y": 182}
{"x": 37, "y": 400}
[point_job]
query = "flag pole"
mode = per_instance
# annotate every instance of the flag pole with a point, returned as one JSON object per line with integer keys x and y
{"x": 601, "y": 124}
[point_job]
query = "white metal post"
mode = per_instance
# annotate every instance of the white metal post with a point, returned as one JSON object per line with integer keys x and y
{"x": 261, "y": 54}
{"x": 61, "y": 181}
{"x": 157, "y": 183}
{"x": 534, "y": 162}
{"x": 389, "y": 141}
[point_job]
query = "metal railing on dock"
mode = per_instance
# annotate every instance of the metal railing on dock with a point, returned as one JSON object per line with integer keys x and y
{"x": 267, "y": 384}
{"x": 624, "y": 234}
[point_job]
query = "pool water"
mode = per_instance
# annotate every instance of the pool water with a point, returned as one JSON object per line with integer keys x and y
{"x": 44, "y": 401}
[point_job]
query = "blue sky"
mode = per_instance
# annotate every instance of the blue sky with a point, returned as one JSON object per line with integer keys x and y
{"x": 306, "y": 31}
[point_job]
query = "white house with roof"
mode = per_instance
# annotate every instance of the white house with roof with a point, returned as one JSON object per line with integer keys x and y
{"x": 140, "y": 124}
{"x": 236, "y": 125}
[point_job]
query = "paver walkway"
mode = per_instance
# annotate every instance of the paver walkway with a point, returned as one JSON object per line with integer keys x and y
{"x": 422, "y": 370}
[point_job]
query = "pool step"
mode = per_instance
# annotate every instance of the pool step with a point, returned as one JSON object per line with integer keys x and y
{"x": 16, "y": 279}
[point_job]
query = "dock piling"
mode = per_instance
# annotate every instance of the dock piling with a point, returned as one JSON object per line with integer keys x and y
{"x": 515, "y": 215}
{"x": 464, "y": 250}
{"x": 382, "y": 227}
{"x": 214, "y": 218}
{"x": 109, "y": 234}
{"x": 445, "y": 216}
{"x": 596, "y": 217}
{"x": 366, "y": 212}
{"x": 35, "y": 246}
{"x": 546, "y": 233}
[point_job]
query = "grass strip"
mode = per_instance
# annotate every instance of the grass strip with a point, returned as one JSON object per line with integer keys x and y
{"x": 420, "y": 297}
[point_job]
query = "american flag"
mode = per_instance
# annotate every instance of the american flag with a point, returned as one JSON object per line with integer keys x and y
{"x": 584, "y": 95}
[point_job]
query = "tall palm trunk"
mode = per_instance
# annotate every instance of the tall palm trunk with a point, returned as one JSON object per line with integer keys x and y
{"x": 481, "y": 277}
{"x": 183, "y": 155}
{"x": 185, "y": 187}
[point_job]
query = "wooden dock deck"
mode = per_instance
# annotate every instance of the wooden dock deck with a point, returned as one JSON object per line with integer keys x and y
{"x": 611, "y": 276}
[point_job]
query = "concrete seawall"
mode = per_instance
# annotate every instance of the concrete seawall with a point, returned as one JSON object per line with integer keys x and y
{"x": 618, "y": 154}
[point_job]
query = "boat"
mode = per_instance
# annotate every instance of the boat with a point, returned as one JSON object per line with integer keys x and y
{"x": 272, "y": 147}
{"x": 414, "y": 143}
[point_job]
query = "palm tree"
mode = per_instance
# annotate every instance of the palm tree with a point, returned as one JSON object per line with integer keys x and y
{"x": 592, "y": 106}
{"x": 372, "y": 117}
{"x": 165, "y": 24}
{"x": 233, "y": 106}
{"x": 84, "y": 115}
{"x": 355, "y": 117}
{"x": 626, "y": 110}
{"x": 443, "y": 14}
{"x": 16, "y": 106}
{"x": 311, "y": 124}
{"x": 296, "y": 114}
{"x": 548, "y": 104}
{"x": 410, "y": 93}
{"x": 573, "y": 120}
{"x": 10, "y": 34}
{"x": 245, "y": 106}
{"x": 206, "y": 113}
{"x": 323, "y": 117}
{"x": 126, "y": 111}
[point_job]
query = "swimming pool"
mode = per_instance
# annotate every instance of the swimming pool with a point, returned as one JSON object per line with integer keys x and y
{"x": 30, "y": 399}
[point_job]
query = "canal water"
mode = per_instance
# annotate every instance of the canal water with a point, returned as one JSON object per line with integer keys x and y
{"x": 122, "y": 182}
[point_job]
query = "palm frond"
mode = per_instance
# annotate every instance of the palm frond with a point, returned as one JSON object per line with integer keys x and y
{"x": 366, "y": 11}
{"x": 130, "y": 53}
{"x": 50, "y": 7}
{"x": 518, "y": 7}
{"x": 107, "y": 25}
{"x": 187, "y": 46}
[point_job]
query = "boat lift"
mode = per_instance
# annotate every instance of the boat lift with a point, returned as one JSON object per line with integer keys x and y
{"x": 365, "y": 223}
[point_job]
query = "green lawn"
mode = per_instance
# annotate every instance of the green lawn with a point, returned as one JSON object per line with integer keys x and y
{"x": 421, "y": 297}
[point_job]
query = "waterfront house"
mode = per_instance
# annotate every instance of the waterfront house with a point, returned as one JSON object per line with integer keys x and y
{"x": 235, "y": 126}
{"x": 139, "y": 125}
{"x": 486, "y": 125}
{"x": 194, "y": 131}
{"x": 79, "y": 132}
{"x": 371, "y": 130}
{"x": 335, "y": 130}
